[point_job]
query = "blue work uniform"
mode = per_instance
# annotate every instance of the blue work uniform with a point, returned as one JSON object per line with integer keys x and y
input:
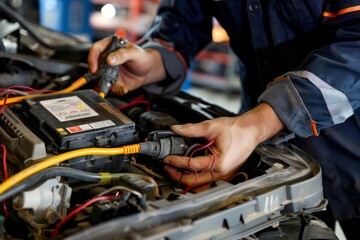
{"x": 300, "y": 56}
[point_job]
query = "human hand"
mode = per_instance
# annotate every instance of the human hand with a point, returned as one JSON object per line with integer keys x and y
{"x": 234, "y": 138}
{"x": 138, "y": 66}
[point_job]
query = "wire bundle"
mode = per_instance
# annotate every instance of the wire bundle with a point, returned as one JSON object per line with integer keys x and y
{"x": 191, "y": 151}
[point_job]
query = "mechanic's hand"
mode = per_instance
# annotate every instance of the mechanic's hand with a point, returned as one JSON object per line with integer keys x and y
{"x": 235, "y": 138}
{"x": 138, "y": 66}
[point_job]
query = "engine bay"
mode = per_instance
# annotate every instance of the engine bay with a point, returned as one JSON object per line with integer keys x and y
{"x": 115, "y": 186}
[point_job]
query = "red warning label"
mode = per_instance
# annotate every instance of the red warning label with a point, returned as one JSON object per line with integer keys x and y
{"x": 79, "y": 128}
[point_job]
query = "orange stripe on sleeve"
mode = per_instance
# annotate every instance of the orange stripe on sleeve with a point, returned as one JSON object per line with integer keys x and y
{"x": 281, "y": 78}
{"x": 342, "y": 11}
{"x": 313, "y": 127}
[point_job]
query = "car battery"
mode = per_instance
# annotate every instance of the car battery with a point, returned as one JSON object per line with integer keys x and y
{"x": 80, "y": 119}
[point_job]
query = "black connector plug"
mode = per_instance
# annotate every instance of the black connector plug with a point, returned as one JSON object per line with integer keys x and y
{"x": 108, "y": 74}
{"x": 164, "y": 147}
{"x": 163, "y": 143}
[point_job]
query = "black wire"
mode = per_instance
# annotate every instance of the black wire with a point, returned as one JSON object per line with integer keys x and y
{"x": 50, "y": 173}
{"x": 155, "y": 26}
{"x": 39, "y": 37}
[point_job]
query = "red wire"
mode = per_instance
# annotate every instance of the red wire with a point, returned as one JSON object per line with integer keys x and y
{"x": 212, "y": 164}
{"x": 2, "y": 109}
{"x": 137, "y": 100}
{"x": 135, "y": 103}
{"x": 30, "y": 89}
{"x": 6, "y": 175}
{"x": 76, "y": 211}
{"x": 206, "y": 146}
{"x": 140, "y": 97}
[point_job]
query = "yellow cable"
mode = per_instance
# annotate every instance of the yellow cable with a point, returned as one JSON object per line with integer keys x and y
{"x": 75, "y": 85}
{"x": 102, "y": 94}
{"x": 27, "y": 172}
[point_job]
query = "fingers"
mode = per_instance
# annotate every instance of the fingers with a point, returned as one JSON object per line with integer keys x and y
{"x": 120, "y": 56}
{"x": 119, "y": 88}
{"x": 200, "y": 163}
{"x": 94, "y": 54}
{"x": 117, "y": 57}
{"x": 188, "y": 178}
{"x": 202, "y": 129}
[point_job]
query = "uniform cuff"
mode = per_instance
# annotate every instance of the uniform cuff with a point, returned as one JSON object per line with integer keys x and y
{"x": 175, "y": 71}
{"x": 287, "y": 104}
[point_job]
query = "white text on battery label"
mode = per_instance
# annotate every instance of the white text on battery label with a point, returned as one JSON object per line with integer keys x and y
{"x": 102, "y": 124}
{"x": 68, "y": 108}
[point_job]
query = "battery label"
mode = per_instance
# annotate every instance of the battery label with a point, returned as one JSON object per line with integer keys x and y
{"x": 68, "y": 108}
{"x": 102, "y": 124}
{"x": 90, "y": 126}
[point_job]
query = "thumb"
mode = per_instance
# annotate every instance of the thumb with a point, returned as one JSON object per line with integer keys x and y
{"x": 131, "y": 52}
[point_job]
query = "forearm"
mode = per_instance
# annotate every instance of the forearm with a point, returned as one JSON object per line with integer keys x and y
{"x": 262, "y": 121}
{"x": 158, "y": 72}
